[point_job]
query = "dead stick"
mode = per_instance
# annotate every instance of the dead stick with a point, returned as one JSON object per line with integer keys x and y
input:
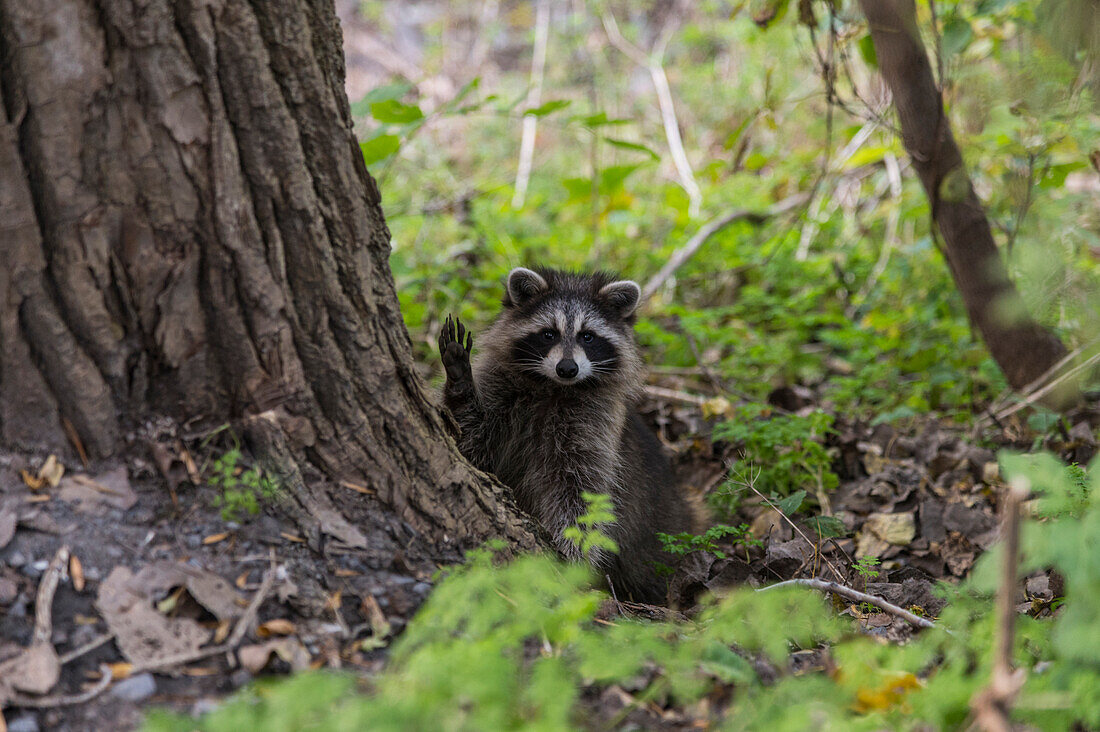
{"x": 47, "y": 588}
{"x": 47, "y": 702}
{"x": 86, "y": 648}
{"x": 993, "y": 705}
{"x": 709, "y": 229}
{"x": 856, "y": 596}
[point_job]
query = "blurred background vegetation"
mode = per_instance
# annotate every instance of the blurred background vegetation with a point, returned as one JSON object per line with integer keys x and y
{"x": 845, "y": 293}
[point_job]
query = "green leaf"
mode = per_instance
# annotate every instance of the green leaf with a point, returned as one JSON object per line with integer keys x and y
{"x": 380, "y": 94}
{"x": 957, "y": 35}
{"x": 379, "y": 148}
{"x": 552, "y": 106}
{"x": 867, "y": 51}
{"x": 791, "y": 503}
{"x": 600, "y": 119}
{"x": 827, "y": 526}
{"x": 391, "y": 111}
{"x": 612, "y": 177}
{"x": 626, "y": 145}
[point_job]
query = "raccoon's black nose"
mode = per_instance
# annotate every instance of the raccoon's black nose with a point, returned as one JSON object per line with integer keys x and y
{"x": 567, "y": 368}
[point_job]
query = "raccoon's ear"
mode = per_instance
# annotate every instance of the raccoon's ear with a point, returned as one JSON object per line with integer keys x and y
{"x": 523, "y": 285}
{"x": 623, "y": 297}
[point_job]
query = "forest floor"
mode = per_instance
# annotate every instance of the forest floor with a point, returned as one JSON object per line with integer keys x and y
{"x": 155, "y": 574}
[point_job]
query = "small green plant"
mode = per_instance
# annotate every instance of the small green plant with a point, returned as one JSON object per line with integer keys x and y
{"x": 865, "y": 566}
{"x": 586, "y": 534}
{"x": 784, "y": 452}
{"x": 241, "y": 489}
{"x": 684, "y": 543}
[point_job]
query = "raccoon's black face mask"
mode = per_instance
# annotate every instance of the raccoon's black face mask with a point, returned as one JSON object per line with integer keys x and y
{"x": 570, "y": 329}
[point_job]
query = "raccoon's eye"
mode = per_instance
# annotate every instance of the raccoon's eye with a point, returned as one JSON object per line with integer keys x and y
{"x": 587, "y": 337}
{"x": 549, "y": 335}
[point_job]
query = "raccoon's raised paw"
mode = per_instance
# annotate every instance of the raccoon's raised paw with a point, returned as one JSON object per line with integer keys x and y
{"x": 455, "y": 354}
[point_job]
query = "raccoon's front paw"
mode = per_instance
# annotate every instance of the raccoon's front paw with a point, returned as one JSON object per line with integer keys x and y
{"x": 455, "y": 355}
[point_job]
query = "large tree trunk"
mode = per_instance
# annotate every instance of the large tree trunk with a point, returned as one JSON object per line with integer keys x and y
{"x": 1021, "y": 347}
{"x": 187, "y": 229}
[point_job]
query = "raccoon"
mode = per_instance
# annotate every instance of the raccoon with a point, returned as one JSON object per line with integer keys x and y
{"x": 548, "y": 407}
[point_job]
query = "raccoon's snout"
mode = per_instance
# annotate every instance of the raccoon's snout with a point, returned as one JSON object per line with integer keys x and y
{"x": 567, "y": 368}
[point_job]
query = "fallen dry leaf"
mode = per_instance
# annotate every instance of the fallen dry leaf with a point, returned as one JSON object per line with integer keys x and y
{"x": 343, "y": 572}
{"x": 241, "y": 580}
{"x": 35, "y": 670}
{"x": 141, "y": 633}
{"x": 333, "y": 601}
{"x": 120, "y": 670}
{"x": 292, "y": 537}
{"x": 370, "y": 609}
{"x": 221, "y": 632}
{"x": 42, "y": 498}
{"x": 51, "y": 471}
{"x": 33, "y": 482}
{"x": 76, "y": 572}
{"x": 215, "y": 538}
{"x": 278, "y": 626}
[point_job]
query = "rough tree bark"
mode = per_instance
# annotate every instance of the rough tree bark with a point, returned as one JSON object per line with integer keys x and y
{"x": 1022, "y": 348}
{"x": 187, "y": 229}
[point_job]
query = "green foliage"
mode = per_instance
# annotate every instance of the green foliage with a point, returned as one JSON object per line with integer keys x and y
{"x": 515, "y": 647}
{"x": 587, "y": 534}
{"x": 865, "y": 566}
{"x": 241, "y": 489}
{"x": 685, "y": 543}
{"x": 780, "y": 455}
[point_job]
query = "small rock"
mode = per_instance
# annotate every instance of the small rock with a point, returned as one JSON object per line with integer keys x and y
{"x": 1039, "y": 587}
{"x": 240, "y": 677}
{"x": 18, "y": 608}
{"x": 17, "y": 559}
{"x": 135, "y": 688}
{"x": 420, "y": 588}
{"x": 203, "y": 707}
{"x": 34, "y": 570}
{"x": 991, "y": 473}
{"x": 194, "y": 541}
{"x": 24, "y": 723}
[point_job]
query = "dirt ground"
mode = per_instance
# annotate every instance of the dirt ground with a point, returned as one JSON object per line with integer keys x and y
{"x": 156, "y": 574}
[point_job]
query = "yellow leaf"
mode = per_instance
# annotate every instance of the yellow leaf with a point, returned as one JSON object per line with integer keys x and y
{"x": 51, "y": 471}
{"x": 120, "y": 670}
{"x": 222, "y": 632}
{"x": 278, "y": 626}
{"x": 76, "y": 572}
{"x": 32, "y": 482}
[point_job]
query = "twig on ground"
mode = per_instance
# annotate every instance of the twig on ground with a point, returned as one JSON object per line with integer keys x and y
{"x": 709, "y": 229}
{"x": 992, "y": 706}
{"x": 530, "y": 121}
{"x": 47, "y": 588}
{"x": 86, "y": 648}
{"x": 48, "y": 702}
{"x": 672, "y": 395}
{"x": 855, "y": 596}
{"x": 652, "y": 63}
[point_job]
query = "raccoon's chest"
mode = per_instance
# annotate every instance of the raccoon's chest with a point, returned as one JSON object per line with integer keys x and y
{"x": 558, "y": 449}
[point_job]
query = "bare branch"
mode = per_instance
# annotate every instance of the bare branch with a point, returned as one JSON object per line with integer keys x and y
{"x": 709, "y": 229}
{"x": 855, "y": 596}
{"x": 530, "y": 121}
{"x": 652, "y": 64}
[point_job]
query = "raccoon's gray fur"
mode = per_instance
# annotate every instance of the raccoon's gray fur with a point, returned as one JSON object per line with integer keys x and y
{"x": 548, "y": 407}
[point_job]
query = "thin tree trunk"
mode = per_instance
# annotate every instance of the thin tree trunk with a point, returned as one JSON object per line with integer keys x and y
{"x": 188, "y": 229}
{"x": 1022, "y": 348}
